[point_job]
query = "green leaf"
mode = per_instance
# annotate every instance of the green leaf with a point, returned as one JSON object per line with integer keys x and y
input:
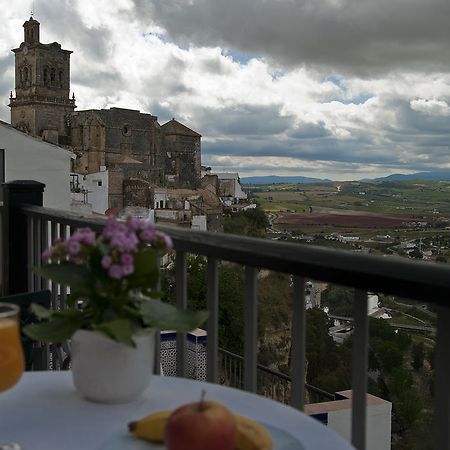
{"x": 40, "y": 311}
{"x": 75, "y": 295}
{"x": 161, "y": 315}
{"x": 146, "y": 269}
{"x": 103, "y": 247}
{"x": 119, "y": 329}
{"x": 57, "y": 329}
{"x": 152, "y": 293}
{"x": 72, "y": 314}
{"x": 67, "y": 274}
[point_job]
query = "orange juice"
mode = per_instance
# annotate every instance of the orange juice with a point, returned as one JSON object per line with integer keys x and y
{"x": 11, "y": 354}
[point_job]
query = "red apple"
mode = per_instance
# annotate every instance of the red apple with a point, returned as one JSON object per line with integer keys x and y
{"x": 204, "y": 425}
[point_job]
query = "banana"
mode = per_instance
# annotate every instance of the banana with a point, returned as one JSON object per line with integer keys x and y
{"x": 252, "y": 435}
{"x": 151, "y": 427}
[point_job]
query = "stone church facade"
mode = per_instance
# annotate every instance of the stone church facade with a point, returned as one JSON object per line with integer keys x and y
{"x": 132, "y": 146}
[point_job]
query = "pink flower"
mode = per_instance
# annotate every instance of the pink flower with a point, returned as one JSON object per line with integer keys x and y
{"x": 148, "y": 233}
{"x": 115, "y": 272}
{"x": 73, "y": 247}
{"x": 126, "y": 259}
{"x": 47, "y": 254}
{"x": 106, "y": 261}
{"x": 87, "y": 236}
{"x": 134, "y": 223}
{"x": 163, "y": 240}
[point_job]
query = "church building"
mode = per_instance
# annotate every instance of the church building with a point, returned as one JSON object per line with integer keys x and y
{"x": 131, "y": 146}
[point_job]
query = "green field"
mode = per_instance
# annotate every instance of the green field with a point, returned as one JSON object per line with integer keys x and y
{"x": 405, "y": 198}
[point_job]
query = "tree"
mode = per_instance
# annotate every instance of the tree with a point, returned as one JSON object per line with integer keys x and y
{"x": 417, "y": 355}
{"x": 339, "y": 300}
{"x": 252, "y": 222}
{"x": 231, "y": 308}
{"x": 416, "y": 253}
{"x": 231, "y": 288}
{"x": 320, "y": 348}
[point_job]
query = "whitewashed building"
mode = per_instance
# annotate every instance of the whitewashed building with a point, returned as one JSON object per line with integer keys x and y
{"x": 29, "y": 158}
{"x": 336, "y": 414}
{"x": 91, "y": 189}
{"x": 230, "y": 188}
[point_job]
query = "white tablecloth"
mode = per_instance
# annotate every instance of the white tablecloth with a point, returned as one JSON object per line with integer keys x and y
{"x": 44, "y": 412}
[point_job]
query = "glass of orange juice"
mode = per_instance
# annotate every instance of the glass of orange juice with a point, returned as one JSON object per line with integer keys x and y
{"x": 11, "y": 354}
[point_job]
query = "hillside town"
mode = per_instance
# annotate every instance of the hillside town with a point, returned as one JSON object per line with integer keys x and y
{"x": 122, "y": 162}
{"x": 112, "y": 161}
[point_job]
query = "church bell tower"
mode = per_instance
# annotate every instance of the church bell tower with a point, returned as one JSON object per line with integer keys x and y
{"x": 42, "y": 73}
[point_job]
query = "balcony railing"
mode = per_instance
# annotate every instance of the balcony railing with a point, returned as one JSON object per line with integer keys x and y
{"x": 271, "y": 383}
{"x": 28, "y": 229}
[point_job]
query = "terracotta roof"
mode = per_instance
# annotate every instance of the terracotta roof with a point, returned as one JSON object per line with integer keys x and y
{"x": 114, "y": 212}
{"x": 175, "y": 127}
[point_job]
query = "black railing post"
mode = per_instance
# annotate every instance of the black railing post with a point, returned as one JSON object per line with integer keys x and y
{"x": 14, "y": 233}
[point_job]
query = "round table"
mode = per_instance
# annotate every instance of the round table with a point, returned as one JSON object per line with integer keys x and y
{"x": 44, "y": 412}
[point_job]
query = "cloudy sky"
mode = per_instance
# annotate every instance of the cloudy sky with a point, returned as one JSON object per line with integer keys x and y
{"x": 343, "y": 89}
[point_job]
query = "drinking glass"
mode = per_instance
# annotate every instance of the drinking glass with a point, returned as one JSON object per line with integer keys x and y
{"x": 11, "y": 354}
{"x": 12, "y": 362}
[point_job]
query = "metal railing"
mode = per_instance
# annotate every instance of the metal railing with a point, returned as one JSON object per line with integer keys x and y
{"x": 28, "y": 230}
{"x": 270, "y": 383}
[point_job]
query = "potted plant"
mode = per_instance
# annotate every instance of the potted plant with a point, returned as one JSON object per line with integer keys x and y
{"x": 113, "y": 307}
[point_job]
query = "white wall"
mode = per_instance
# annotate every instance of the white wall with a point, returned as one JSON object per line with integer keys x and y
{"x": 199, "y": 223}
{"x": 28, "y": 158}
{"x": 238, "y": 192}
{"x": 159, "y": 196}
{"x": 372, "y": 303}
{"x": 378, "y": 425}
{"x": 97, "y": 186}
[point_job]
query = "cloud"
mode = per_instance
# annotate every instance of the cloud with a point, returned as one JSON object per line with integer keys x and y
{"x": 243, "y": 119}
{"x": 287, "y": 85}
{"x": 6, "y": 82}
{"x": 348, "y": 36}
{"x": 249, "y": 166}
{"x": 431, "y": 107}
{"x": 310, "y": 131}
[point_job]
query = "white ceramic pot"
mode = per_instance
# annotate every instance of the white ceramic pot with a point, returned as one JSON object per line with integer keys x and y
{"x": 106, "y": 371}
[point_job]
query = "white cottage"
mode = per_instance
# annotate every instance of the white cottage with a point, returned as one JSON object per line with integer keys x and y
{"x": 29, "y": 158}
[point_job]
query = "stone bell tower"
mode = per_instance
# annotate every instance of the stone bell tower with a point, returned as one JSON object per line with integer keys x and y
{"x": 42, "y": 72}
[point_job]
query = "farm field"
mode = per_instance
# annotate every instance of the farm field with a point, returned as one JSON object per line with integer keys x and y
{"x": 405, "y": 198}
{"x": 381, "y": 217}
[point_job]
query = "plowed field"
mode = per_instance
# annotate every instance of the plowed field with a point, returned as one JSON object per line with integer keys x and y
{"x": 343, "y": 220}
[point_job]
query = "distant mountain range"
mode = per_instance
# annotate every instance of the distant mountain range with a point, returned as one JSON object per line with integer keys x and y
{"x": 435, "y": 175}
{"x": 273, "y": 179}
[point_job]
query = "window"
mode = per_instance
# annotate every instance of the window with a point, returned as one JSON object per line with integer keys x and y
{"x": 25, "y": 74}
{"x": 60, "y": 75}
{"x": 52, "y": 75}
{"x": 126, "y": 130}
{"x": 45, "y": 76}
{"x": 99, "y": 183}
